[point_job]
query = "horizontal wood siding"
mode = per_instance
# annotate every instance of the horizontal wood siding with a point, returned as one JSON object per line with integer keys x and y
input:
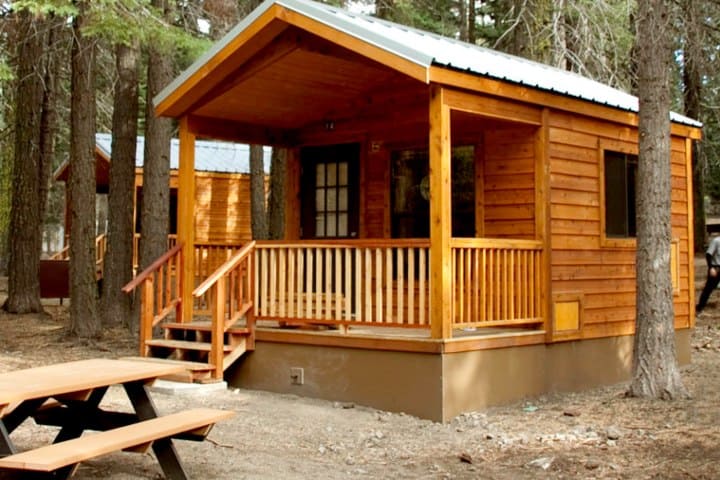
{"x": 222, "y": 209}
{"x": 509, "y": 183}
{"x": 581, "y": 262}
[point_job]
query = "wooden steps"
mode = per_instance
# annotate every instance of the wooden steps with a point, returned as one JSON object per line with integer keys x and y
{"x": 203, "y": 327}
{"x": 137, "y": 437}
{"x": 195, "y": 372}
{"x": 189, "y": 344}
{"x": 184, "y": 345}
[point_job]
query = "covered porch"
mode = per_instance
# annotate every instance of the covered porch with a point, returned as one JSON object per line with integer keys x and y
{"x": 409, "y": 204}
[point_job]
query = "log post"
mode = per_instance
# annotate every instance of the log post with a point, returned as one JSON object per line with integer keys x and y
{"x": 440, "y": 216}
{"x": 186, "y": 218}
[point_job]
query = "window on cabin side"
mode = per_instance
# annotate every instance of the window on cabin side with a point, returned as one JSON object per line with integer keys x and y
{"x": 620, "y": 178}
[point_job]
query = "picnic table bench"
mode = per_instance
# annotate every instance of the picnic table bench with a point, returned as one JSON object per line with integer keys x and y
{"x": 68, "y": 395}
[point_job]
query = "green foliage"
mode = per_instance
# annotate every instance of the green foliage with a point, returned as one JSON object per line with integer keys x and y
{"x": 5, "y": 71}
{"x": 59, "y": 8}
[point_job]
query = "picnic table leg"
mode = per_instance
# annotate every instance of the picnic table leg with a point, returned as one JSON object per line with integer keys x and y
{"x": 15, "y": 418}
{"x": 81, "y": 411}
{"x": 164, "y": 448}
{"x": 6, "y": 445}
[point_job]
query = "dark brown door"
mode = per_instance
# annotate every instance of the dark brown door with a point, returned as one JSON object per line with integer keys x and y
{"x": 330, "y": 196}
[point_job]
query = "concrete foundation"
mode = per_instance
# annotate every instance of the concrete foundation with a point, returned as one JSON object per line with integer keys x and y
{"x": 433, "y": 385}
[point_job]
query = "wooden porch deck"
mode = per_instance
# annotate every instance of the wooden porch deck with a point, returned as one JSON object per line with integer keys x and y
{"x": 372, "y": 294}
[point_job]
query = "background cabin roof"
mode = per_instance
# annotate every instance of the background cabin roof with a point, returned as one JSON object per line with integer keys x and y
{"x": 217, "y": 157}
{"x": 210, "y": 156}
{"x": 425, "y": 50}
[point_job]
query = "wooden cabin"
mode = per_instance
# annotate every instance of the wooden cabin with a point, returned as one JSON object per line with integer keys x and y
{"x": 463, "y": 219}
{"x": 222, "y": 190}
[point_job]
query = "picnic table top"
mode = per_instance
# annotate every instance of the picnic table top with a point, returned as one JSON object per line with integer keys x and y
{"x": 76, "y": 376}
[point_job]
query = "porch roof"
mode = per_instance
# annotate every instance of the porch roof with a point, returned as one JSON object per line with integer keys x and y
{"x": 418, "y": 51}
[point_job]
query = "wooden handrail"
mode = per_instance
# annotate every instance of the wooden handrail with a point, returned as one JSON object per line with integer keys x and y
{"x": 224, "y": 269}
{"x": 495, "y": 243}
{"x": 346, "y": 243}
{"x": 149, "y": 270}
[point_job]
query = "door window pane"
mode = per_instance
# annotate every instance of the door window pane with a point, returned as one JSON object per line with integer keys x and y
{"x": 343, "y": 199}
{"x": 342, "y": 225}
{"x": 331, "y": 199}
{"x": 331, "y": 223}
{"x": 320, "y": 226}
{"x": 320, "y": 174}
{"x": 331, "y": 174}
{"x": 343, "y": 173}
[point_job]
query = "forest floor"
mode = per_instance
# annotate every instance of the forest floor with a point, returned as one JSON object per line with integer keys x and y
{"x": 598, "y": 433}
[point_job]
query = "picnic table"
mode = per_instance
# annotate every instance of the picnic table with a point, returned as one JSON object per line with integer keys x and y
{"x": 68, "y": 395}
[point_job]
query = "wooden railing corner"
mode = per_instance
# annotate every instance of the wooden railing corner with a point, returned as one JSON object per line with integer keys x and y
{"x": 161, "y": 292}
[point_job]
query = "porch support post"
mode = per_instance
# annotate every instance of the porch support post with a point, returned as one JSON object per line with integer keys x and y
{"x": 440, "y": 216}
{"x": 186, "y": 216}
{"x": 542, "y": 219}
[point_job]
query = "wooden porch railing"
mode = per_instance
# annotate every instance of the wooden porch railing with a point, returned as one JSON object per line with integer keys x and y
{"x": 172, "y": 240}
{"x": 231, "y": 289}
{"x": 497, "y": 282}
{"x": 161, "y": 292}
{"x": 345, "y": 282}
{"x": 208, "y": 257}
{"x": 100, "y": 249}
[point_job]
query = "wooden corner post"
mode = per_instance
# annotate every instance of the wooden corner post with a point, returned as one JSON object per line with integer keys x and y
{"x": 691, "y": 230}
{"x": 440, "y": 216}
{"x": 542, "y": 220}
{"x": 186, "y": 217}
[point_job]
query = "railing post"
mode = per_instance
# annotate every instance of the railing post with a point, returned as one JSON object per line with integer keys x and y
{"x": 179, "y": 282}
{"x": 147, "y": 312}
{"x": 217, "y": 330}
{"x": 249, "y": 289}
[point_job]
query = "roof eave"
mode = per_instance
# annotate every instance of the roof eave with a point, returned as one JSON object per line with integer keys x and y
{"x": 303, "y": 15}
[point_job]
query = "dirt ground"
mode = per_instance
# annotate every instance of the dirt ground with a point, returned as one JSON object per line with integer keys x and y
{"x": 593, "y": 434}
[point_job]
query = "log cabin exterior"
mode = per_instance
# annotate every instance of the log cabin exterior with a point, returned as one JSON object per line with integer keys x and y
{"x": 463, "y": 217}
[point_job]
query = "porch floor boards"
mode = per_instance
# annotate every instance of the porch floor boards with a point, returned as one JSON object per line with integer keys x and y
{"x": 395, "y": 332}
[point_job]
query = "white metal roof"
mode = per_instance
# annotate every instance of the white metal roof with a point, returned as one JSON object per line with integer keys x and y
{"x": 427, "y": 49}
{"x": 221, "y": 157}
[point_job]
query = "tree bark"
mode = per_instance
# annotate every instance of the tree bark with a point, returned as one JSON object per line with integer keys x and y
{"x": 116, "y": 305}
{"x": 655, "y": 371}
{"x": 30, "y": 170}
{"x": 471, "y": 12}
{"x": 693, "y": 70}
{"x": 276, "y": 201}
{"x": 258, "y": 210}
{"x": 84, "y": 321}
{"x": 156, "y": 164}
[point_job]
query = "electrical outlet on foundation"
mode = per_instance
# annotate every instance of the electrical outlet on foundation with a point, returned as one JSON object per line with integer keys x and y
{"x": 297, "y": 375}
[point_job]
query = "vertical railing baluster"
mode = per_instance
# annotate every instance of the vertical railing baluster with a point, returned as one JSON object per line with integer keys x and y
{"x": 422, "y": 286}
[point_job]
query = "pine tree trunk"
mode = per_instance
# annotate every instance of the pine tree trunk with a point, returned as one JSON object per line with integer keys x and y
{"x": 258, "y": 210}
{"x": 84, "y": 321}
{"x": 655, "y": 371}
{"x": 692, "y": 79}
{"x": 116, "y": 305}
{"x": 155, "y": 212}
{"x": 471, "y": 35}
{"x": 276, "y": 202}
{"x": 26, "y": 214}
